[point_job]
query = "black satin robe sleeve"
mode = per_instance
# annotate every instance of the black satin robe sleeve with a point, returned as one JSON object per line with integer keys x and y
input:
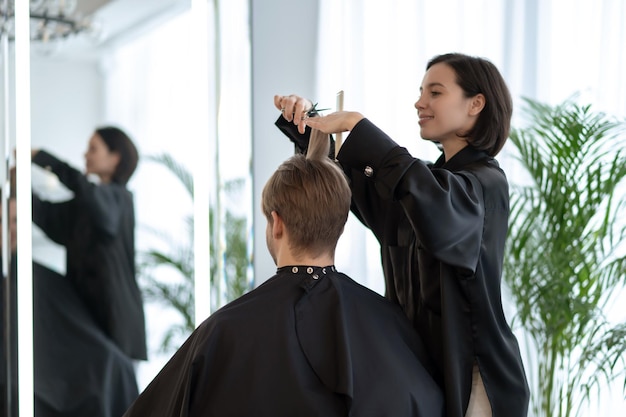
{"x": 53, "y": 219}
{"x": 443, "y": 207}
{"x": 102, "y": 203}
{"x": 301, "y": 141}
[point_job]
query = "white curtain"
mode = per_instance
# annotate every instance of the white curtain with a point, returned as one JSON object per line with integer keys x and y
{"x": 377, "y": 52}
{"x": 547, "y": 50}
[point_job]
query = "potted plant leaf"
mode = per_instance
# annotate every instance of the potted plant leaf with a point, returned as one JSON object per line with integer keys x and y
{"x": 565, "y": 258}
{"x": 177, "y": 291}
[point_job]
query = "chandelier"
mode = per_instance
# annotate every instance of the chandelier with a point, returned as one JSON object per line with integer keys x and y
{"x": 50, "y": 20}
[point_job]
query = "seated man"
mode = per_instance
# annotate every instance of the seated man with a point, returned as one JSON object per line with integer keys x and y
{"x": 309, "y": 341}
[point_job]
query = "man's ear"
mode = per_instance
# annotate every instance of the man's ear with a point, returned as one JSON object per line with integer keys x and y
{"x": 278, "y": 225}
{"x": 477, "y": 105}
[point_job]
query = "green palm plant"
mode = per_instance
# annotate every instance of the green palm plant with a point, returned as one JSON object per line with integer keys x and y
{"x": 177, "y": 290}
{"x": 565, "y": 257}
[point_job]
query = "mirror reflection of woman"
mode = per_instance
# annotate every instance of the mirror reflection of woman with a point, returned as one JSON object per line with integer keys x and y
{"x": 97, "y": 227}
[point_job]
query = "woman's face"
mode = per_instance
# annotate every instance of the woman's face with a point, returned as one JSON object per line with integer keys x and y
{"x": 99, "y": 160}
{"x": 444, "y": 112}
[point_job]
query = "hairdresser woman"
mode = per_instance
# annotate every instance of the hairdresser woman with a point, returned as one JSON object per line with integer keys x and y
{"x": 441, "y": 226}
{"x": 97, "y": 228}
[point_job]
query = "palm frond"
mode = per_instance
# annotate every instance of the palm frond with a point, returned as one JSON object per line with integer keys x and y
{"x": 176, "y": 168}
{"x": 167, "y": 275}
{"x": 561, "y": 262}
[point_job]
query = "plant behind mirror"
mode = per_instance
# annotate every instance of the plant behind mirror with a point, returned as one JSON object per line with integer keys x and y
{"x": 565, "y": 248}
{"x": 173, "y": 287}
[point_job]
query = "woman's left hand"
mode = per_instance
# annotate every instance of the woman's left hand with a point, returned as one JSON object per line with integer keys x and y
{"x": 341, "y": 121}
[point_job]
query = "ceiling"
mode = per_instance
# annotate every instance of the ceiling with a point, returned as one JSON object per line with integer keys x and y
{"x": 117, "y": 20}
{"x": 120, "y": 16}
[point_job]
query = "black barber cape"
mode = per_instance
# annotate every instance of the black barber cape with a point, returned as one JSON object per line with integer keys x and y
{"x": 79, "y": 372}
{"x": 308, "y": 342}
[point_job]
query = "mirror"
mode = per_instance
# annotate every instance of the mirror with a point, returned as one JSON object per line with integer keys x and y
{"x": 156, "y": 70}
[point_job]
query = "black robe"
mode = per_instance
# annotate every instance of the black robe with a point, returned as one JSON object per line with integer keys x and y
{"x": 442, "y": 231}
{"x": 303, "y": 343}
{"x": 97, "y": 228}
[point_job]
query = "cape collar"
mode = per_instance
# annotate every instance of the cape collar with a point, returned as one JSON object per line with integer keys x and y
{"x": 313, "y": 271}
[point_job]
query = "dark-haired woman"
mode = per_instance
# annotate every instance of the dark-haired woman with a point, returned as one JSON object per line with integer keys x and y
{"x": 441, "y": 226}
{"x": 97, "y": 228}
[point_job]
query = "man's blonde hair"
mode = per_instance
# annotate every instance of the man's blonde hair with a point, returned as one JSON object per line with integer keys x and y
{"x": 312, "y": 196}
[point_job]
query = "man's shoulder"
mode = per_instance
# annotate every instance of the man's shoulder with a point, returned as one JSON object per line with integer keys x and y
{"x": 367, "y": 297}
{"x": 252, "y": 302}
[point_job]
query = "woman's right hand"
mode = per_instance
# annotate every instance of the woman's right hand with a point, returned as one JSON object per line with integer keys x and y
{"x": 294, "y": 109}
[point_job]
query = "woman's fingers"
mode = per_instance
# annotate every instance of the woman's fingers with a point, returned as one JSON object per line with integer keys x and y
{"x": 327, "y": 124}
{"x": 293, "y": 108}
{"x": 341, "y": 121}
{"x": 277, "y": 99}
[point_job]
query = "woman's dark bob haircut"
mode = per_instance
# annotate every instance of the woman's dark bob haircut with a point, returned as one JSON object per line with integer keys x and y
{"x": 118, "y": 141}
{"x": 479, "y": 76}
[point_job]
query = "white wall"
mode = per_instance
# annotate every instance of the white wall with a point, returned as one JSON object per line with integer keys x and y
{"x": 284, "y": 49}
{"x": 66, "y": 105}
{"x": 283, "y": 62}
